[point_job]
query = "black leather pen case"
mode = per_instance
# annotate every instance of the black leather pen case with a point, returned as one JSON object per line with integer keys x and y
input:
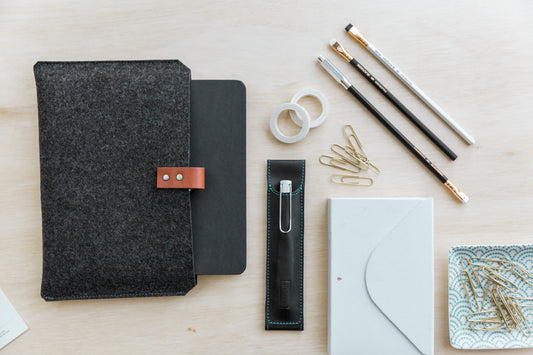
{"x": 285, "y": 245}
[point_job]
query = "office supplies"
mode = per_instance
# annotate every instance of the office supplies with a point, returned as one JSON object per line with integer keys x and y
{"x": 381, "y": 298}
{"x": 274, "y": 127}
{"x": 352, "y": 180}
{"x": 356, "y": 34}
{"x": 11, "y": 324}
{"x": 285, "y": 245}
{"x": 350, "y": 158}
{"x": 105, "y": 128}
{"x": 490, "y": 296}
{"x": 504, "y": 314}
{"x": 356, "y": 147}
{"x": 299, "y": 116}
{"x": 383, "y": 90}
{"x": 341, "y": 79}
{"x": 337, "y": 163}
{"x": 323, "y": 103}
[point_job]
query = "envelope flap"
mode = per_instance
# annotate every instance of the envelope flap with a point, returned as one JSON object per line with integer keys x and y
{"x": 399, "y": 275}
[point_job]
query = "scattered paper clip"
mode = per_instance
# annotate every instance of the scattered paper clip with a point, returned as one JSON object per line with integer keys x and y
{"x": 351, "y": 180}
{"x": 501, "y": 281}
{"x": 350, "y": 158}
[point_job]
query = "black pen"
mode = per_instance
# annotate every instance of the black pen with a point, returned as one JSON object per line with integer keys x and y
{"x": 382, "y": 89}
{"x": 341, "y": 79}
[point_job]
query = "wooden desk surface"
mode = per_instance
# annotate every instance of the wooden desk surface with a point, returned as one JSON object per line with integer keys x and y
{"x": 472, "y": 57}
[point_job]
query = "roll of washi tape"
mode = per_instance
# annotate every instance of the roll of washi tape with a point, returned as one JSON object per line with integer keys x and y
{"x": 306, "y": 123}
{"x": 323, "y": 102}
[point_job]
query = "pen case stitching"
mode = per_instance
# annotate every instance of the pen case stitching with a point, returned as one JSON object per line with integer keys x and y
{"x": 277, "y": 193}
{"x": 302, "y": 246}
{"x": 268, "y": 259}
{"x": 268, "y": 251}
{"x": 288, "y": 323}
{"x": 268, "y": 256}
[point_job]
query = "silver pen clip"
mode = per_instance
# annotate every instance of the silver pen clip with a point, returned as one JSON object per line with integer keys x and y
{"x": 285, "y": 187}
{"x": 334, "y": 72}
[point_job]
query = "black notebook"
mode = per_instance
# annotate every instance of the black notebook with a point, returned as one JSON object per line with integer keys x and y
{"x": 218, "y": 143}
{"x": 104, "y": 128}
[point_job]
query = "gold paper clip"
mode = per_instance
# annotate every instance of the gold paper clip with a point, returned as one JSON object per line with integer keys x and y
{"x": 525, "y": 329}
{"x": 350, "y": 158}
{"x": 498, "y": 279}
{"x": 501, "y": 262}
{"x": 501, "y": 277}
{"x": 469, "y": 265}
{"x": 520, "y": 272}
{"x": 351, "y": 180}
{"x": 351, "y": 137}
{"x": 328, "y": 160}
{"x": 492, "y": 317}
{"x": 355, "y": 144}
{"x": 499, "y": 305}
{"x": 508, "y": 306}
{"x": 486, "y": 295}
{"x": 467, "y": 294}
{"x": 491, "y": 313}
{"x": 483, "y": 325}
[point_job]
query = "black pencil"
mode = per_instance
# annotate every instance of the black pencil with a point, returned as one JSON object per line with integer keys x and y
{"x": 382, "y": 89}
{"x": 341, "y": 79}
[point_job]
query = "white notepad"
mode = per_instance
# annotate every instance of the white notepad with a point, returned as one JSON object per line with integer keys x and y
{"x": 11, "y": 324}
{"x": 381, "y": 276}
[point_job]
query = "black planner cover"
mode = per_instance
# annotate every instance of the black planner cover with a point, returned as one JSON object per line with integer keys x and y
{"x": 218, "y": 143}
{"x": 104, "y": 128}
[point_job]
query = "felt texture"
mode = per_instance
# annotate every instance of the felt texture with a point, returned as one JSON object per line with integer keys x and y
{"x": 218, "y": 143}
{"x": 104, "y": 128}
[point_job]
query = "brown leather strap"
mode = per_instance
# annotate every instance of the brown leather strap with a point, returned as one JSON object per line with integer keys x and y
{"x": 180, "y": 178}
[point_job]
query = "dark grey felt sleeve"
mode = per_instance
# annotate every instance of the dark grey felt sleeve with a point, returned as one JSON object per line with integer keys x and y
{"x": 104, "y": 128}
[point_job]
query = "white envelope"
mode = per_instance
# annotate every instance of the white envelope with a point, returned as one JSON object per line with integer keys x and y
{"x": 381, "y": 276}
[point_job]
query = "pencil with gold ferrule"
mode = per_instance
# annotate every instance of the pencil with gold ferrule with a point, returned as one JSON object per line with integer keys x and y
{"x": 341, "y": 79}
{"x": 356, "y": 34}
{"x": 338, "y": 48}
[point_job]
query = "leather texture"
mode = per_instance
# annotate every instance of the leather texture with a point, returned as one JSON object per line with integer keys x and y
{"x": 180, "y": 178}
{"x": 285, "y": 251}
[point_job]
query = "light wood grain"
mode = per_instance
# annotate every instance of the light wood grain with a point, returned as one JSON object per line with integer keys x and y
{"x": 472, "y": 57}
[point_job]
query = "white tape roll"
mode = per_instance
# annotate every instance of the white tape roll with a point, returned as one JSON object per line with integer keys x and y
{"x": 323, "y": 102}
{"x": 306, "y": 123}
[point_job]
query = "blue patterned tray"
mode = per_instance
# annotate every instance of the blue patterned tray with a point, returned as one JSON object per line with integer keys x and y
{"x": 461, "y": 336}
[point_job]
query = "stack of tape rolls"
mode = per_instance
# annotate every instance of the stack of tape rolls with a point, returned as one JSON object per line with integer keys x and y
{"x": 299, "y": 116}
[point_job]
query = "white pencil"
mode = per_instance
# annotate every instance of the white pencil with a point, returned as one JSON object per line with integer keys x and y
{"x": 354, "y": 32}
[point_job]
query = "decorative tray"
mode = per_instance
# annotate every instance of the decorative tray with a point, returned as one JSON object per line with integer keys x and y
{"x": 476, "y": 322}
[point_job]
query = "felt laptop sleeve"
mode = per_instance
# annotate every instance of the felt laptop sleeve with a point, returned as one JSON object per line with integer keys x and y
{"x": 104, "y": 128}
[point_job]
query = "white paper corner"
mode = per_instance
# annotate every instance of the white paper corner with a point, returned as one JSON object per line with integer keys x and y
{"x": 11, "y": 324}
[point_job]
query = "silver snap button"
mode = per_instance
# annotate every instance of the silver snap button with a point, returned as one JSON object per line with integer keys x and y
{"x": 165, "y": 177}
{"x": 179, "y": 177}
